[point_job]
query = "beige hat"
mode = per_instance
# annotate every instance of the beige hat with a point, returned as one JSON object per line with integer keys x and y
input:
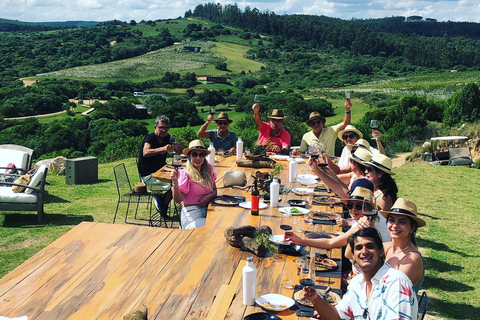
{"x": 381, "y": 162}
{"x": 406, "y": 208}
{"x": 223, "y": 117}
{"x": 361, "y": 156}
{"x": 349, "y": 128}
{"x": 195, "y": 145}
{"x": 313, "y": 116}
{"x": 361, "y": 143}
{"x": 277, "y": 114}
{"x": 360, "y": 193}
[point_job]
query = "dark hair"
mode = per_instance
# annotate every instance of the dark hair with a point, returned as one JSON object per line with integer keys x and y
{"x": 387, "y": 185}
{"x": 413, "y": 225}
{"x": 361, "y": 167}
{"x": 371, "y": 233}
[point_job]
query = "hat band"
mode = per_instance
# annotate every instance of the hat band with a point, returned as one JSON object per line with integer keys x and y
{"x": 356, "y": 198}
{"x": 361, "y": 145}
{"x": 380, "y": 165}
{"x": 198, "y": 147}
{"x": 358, "y": 158}
{"x": 403, "y": 211}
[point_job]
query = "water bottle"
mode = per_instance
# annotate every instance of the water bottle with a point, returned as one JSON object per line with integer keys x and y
{"x": 274, "y": 192}
{"x": 211, "y": 156}
{"x": 249, "y": 282}
{"x": 239, "y": 149}
{"x": 292, "y": 173}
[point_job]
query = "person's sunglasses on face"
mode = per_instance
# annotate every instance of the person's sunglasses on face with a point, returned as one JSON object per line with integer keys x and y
{"x": 348, "y": 136}
{"x": 199, "y": 154}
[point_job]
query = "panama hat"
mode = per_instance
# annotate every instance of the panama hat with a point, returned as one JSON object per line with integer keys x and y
{"x": 361, "y": 143}
{"x": 223, "y": 117}
{"x": 361, "y": 189}
{"x": 406, "y": 208}
{"x": 349, "y": 128}
{"x": 381, "y": 162}
{"x": 361, "y": 156}
{"x": 277, "y": 114}
{"x": 315, "y": 115}
{"x": 195, "y": 145}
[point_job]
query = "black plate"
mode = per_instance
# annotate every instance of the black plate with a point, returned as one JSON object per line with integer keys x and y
{"x": 262, "y": 316}
{"x": 293, "y": 249}
{"x": 298, "y": 203}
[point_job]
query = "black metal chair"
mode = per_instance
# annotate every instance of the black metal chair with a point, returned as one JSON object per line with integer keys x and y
{"x": 422, "y": 305}
{"x": 126, "y": 195}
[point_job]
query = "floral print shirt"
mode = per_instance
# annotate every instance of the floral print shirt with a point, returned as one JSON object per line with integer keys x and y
{"x": 392, "y": 297}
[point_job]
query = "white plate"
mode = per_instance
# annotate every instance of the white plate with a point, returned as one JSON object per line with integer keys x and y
{"x": 275, "y": 299}
{"x": 289, "y": 209}
{"x": 248, "y": 205}
{"x": 306, "y": 182}
{"x": 279, "y": 157}
{"x": 302, "y": 191}
{"x": 299, "y": 160}
{"x": 307, "y": 176}
{"x": 278, "y": 239}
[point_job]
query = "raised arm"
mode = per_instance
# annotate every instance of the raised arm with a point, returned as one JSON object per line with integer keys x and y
{"x": 202, "y": 132}
{"x": 376, "y": 134}
{"x": 257, "y": 117}
{"x": 348, "y": 117}
{"x": 324, "y": 243}
{"x": 329, "y": 179}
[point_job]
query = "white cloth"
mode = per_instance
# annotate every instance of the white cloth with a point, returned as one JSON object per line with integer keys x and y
{"x": 381, "y": 227}
{"x": 193, "y": 217}
{"x": 392, "y": 297}
{"x": 343, "y": 161}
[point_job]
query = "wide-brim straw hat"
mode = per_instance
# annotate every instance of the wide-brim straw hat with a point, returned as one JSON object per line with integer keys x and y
{"x": 350, "y": 128}
{"x": 361, "y": 189}
{"x": 361, "y": 143}
{"x": 361, "y": 156}
{"x": 382, "y": 162}
{"x": 195, "y": 145}
{"x": 223, "y": 117}
{"x": 406, "y": 208}
{"x": 277, "y": 114}
{"x": 313, "y": 116}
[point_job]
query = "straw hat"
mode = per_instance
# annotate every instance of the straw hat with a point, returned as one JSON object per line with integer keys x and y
{"x": 406, "y": 208}
{"x": 195, "y": 145}
{"x": 361, "y": 143}
{"x": 140, "y": 187}
{"x": 349, "y": 128}
{"x": 223, "y": 117}
{"x": 277, "y": 114}
{"x": 361, "y": 189}
{"x": 361, "y": 156}
{"x": 314, "y": 116}
{"x": 381, "y": 162}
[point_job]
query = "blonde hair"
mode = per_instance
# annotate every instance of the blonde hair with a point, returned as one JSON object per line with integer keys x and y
{"x": 201, "y": 177}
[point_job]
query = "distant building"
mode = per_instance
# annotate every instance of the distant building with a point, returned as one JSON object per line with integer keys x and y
{"x": 430, "y": 20}
{"x": 142, "y": 111}
{"x": 192, "y": 49}
{"x": 210, "y": 80}
{"x": 414, "y": 18}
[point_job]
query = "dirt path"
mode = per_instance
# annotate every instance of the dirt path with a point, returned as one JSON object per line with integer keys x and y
{"x": 400, "y": 159}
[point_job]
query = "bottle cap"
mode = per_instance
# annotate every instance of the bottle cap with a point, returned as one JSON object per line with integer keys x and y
{"x": 250, "y": 259}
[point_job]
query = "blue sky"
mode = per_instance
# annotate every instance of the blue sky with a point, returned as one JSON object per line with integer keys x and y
{"x": 126, "y": 10}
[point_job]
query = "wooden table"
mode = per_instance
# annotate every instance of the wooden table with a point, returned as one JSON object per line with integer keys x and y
{"x": 105, "y": 271}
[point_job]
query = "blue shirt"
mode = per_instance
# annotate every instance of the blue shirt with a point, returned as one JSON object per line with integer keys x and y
{"x": 226, "y": 144}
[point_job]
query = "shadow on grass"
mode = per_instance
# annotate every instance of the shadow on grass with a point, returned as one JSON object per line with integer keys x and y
{"x": 446, "y": 285}
{"x": 429, "y": 216}
{"x": 29, "y": 220}
{"x": 440, "y": 247}
{"x": 440, "y": 266}
{"x": 450, "y": 310}
{"x": 50, "y": 198}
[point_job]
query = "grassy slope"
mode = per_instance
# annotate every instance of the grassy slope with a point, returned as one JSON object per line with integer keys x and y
{"x": 448, "y": 242}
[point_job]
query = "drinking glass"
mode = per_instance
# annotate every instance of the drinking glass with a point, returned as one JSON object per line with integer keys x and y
{"x": 306, "y": 278}
{"x": 347, "y": 94}
{"x": 220, "y": 152}
{"x": 212, "y": 110}
{"x": 373, "y": 126}
{"x": 287, "y": 280}
{"x": 177, "y": 161}
{"x": 297, "y": 223}
{"x": 256, "y": 98}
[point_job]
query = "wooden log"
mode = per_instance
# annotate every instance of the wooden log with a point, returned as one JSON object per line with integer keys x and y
{"x": 253, "y": 246}
{"x": 241, "y": 231}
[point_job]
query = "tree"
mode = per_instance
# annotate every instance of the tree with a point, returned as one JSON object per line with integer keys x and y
{"x": 463, "y": 106}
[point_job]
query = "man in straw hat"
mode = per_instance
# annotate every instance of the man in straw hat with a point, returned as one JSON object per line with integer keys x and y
{"x": 222, "y": 138}
{"x": 272, "y": 133}
{"x": 319, "y": 133}
{"x": 378, "y": 292}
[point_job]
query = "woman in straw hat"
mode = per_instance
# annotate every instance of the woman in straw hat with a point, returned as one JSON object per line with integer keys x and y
{"x": 195, "y": 186}
{"x": 379, "y": 171}
{"x": 401, "y": 252}
{"x": 272, "y": 133}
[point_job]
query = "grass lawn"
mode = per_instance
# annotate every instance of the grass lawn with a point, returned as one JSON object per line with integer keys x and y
{"x": 445, "y": 196}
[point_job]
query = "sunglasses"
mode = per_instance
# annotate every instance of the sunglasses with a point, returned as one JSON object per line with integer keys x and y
{"x": 351, "y": 205}
{"x": 197, "y": 154}
{"x": 163, "y": 128}
{"x": 314, "y": 123}
{"x": 222, "y": 123}
{"x": 368, "y": 169}
{"x": 276, "y": 120}
{"x": 349, "y": 136}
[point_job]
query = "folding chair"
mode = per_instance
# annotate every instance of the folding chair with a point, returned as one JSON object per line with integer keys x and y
{"x": 126, "y": 194}
{"x": 422, "y": 306}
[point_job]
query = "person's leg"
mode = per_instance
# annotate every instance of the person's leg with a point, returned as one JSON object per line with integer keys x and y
{"x": 161, "y": 200}
{"x": 193, "y": 217}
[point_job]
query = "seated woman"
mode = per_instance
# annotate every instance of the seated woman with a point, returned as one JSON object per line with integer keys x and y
{"x": 379, "y": 171}
{"x": 401, "y": 253}
{"x": 195, "y": 186}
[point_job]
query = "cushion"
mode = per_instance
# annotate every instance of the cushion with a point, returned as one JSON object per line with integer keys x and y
{"x": 17, "y": 157}
{"x": 37, "y": 177}
{"x": 8, "y": 196}
{"x": 24, "y": 179}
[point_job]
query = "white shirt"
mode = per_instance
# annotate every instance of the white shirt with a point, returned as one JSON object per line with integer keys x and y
{"x": 343, "y": 161}
{"x": 381, "y": 226}
{"x": 392, "y": 297}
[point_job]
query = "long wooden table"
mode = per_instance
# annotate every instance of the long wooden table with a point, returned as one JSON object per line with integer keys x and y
{"x": 105, "y": 271}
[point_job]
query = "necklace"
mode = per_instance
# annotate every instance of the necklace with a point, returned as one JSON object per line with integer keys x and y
{"x": 409, "y": 244}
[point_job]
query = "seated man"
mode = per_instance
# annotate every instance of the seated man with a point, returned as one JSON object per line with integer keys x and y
{"x": 153, "y": 156}
{"x": 272, "y": 134}
{"x": 222, "y": 138}
{"x": 378, "y": 292}
{"x": 319, "y": 133}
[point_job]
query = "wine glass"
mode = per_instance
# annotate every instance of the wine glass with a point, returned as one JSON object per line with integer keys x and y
{"x": 348, "y": 94}
{"x": 256, "y": 98}
{"x": 369, "y": 207}
{"x": 212, "y": 110}
{"x": 177, "y": 161}
{"x": 373, "y": 126}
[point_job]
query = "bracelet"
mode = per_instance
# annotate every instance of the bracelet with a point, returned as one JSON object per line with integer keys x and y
{"x": 348, "y": 112}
